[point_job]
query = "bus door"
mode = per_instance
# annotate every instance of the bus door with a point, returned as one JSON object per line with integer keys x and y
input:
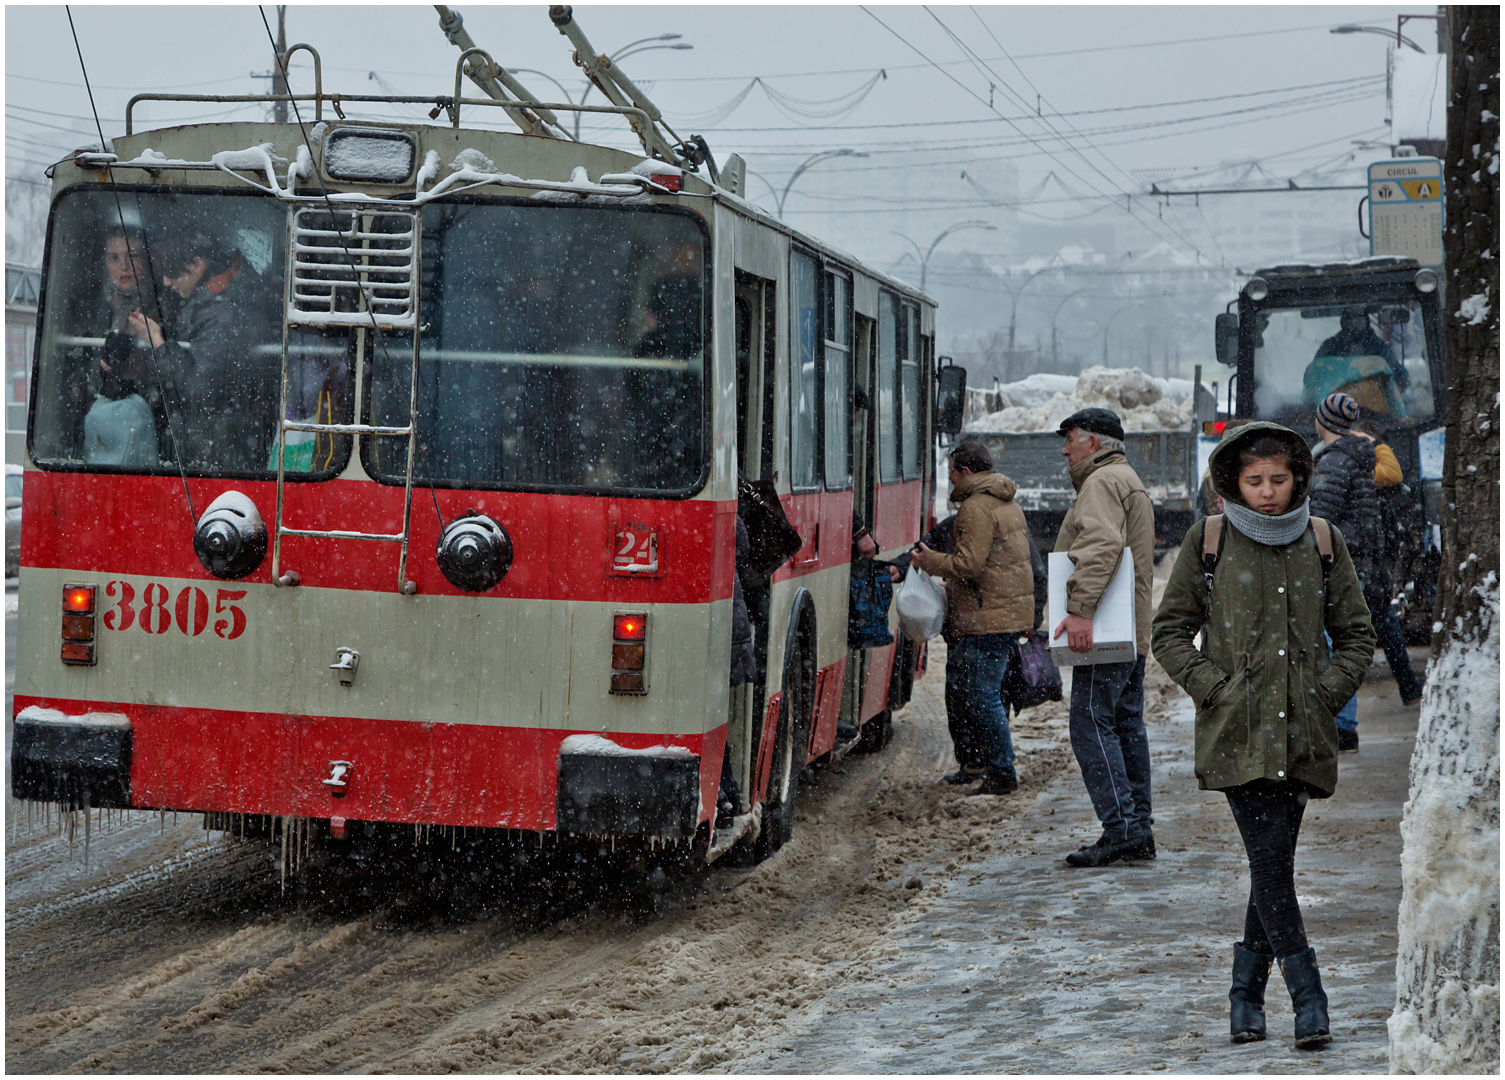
{"x": 754, "y": 314}
{"x": 864, "y": 482}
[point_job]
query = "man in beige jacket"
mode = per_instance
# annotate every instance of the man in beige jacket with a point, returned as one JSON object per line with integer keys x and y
{"x": 990, "y": 596}
{"x": 1112, "y": 511}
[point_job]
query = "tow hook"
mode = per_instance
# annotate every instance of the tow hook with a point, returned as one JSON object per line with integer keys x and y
{"x": 346, "y": 661}
{"x": 336, "y": 780}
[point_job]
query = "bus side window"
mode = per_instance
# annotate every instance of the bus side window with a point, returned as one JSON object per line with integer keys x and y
{"x": 804, "y": 396}
{"x": 909, "y": 391}
{"x": 886, "y": 405}
{"x": 836, "y": 370}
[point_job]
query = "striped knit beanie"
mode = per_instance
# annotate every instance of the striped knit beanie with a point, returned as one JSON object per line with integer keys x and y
{"x": 1338, "y": 413}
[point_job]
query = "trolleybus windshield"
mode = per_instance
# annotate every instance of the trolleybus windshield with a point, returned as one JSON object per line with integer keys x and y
{"x": 161, "y": 337}
{"x": 563, "y": 349}
{"x": 1375, "y": 352}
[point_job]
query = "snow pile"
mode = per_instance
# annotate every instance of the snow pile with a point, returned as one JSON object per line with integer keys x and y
{"x": 1041, "y": 402}
{"x": 1034, "y": 391}
{"x": 1474, "y": 309}
{"x": 367, "y": 158}
{"x": 1447, "y": 972}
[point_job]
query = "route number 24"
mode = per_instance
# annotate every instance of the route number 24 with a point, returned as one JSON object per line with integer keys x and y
{"x": 189, "y": 611}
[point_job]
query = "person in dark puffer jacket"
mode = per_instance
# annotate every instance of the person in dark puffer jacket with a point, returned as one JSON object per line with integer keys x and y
{"x": 1343, "y": 488}
{"x": 1344, "y": 492}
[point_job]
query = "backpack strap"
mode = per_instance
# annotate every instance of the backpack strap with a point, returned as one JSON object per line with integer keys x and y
{"x": 1322, "y": 532}
{"x": 1212, "y": 545}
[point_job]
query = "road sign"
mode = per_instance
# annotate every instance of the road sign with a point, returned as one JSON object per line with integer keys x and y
{"x": 1405, "y": 209}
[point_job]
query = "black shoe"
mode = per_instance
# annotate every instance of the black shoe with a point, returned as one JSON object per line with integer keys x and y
{"x": 1348, "y": 741}
{"x": 1308, "y": 1000}
{"x": 1101, "y": 853}
{"x": 997, "y": 785}
{"x": 1251, "y": 970}
{"x": 1141, "y": 850}
{"x": 965, "y": 775}
{"x": 845, "y": 733}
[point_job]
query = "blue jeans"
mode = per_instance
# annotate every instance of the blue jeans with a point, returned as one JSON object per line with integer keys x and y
{"x": 975, "y": 666}
{"x": 1348, "y": 715}
{"x": 1107, "y": 736}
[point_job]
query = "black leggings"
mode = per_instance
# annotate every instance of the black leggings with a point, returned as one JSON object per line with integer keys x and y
{"x": 1268, "y": 814}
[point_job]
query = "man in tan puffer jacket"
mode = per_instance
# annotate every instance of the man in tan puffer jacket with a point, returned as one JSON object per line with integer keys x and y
{"x": 1112, "y": 512}
{"x": 990, "y": 595}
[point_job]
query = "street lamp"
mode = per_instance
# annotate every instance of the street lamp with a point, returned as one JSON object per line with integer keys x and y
{"x": 809, "y": 161}
{"x": 925, "y": 257}
{"x": 1014, "y": 298}
{"x": 630, "y": 49}
{"x": 1104, "y": 327}
{"x": 1354, "y": 28}
{"x": 1055, "y": 361}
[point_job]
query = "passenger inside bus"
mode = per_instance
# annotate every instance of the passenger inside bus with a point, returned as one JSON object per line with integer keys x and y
{"x": 111, "y": 406}
{"x": 1357, "y": 361}
{"x": 224, "y": 388}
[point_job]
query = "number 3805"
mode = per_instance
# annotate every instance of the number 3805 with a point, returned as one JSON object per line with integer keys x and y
{"x": 189, "y": 611}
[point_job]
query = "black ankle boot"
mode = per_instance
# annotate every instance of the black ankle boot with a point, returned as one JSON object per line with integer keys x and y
{"x": 1251, "y": 970}
{"x": 1307, "y": 999}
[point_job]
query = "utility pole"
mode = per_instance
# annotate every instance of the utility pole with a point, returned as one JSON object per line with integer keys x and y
{"x": 279, "y": 78}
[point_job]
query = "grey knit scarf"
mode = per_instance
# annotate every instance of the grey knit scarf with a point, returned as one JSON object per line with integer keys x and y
{"x": 1267, "y": 530}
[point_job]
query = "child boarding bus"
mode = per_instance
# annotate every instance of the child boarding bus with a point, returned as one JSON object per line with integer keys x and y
{"x": 389, "y": 474}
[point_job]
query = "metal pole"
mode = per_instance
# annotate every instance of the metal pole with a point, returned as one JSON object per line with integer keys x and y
{"x": 279, "y": 79}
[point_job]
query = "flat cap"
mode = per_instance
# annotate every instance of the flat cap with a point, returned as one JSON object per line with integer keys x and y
{"x": 1096, "y": 421}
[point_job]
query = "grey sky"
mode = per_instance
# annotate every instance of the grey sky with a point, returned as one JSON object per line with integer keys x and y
{"x": 1129, "y": 95}
{"x": 815, "y": 54}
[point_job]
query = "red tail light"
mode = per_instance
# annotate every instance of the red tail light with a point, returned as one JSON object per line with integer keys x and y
{"x": 667, "y": 181}
{"x": 629, "y": 654}
{"x": 629, "y": 627}
{"x": 79, "y": 598}
{"x": 78, "y": 625}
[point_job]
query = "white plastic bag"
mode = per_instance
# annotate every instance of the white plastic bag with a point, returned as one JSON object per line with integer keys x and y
{"x": 921, "y": 602}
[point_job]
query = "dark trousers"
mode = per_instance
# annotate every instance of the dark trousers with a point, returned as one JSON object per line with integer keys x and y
{"x": 1268, "y": 814}
{"x": 1392, "y": 640}
{"x": 1107, "y": 736}
{"x": 975, "y": 666}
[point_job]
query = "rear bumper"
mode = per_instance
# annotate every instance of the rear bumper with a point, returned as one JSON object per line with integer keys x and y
{"x": 166, "y": 758}
{"x": 622, "y": 793}
{"x": 76, "y": 761}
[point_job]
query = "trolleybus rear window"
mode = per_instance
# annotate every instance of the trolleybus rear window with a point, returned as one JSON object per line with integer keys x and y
{"x": 162, "y": 339}
{"x": 563, "y": 349}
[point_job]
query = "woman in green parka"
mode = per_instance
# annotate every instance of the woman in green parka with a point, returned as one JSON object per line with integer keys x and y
{"x": 1266, "y": 686}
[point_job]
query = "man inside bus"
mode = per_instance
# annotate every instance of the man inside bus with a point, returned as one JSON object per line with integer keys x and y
{"x": 990, "y": 594}
{"x": 226, "y": 390}
{"x": 1356, "y": 361}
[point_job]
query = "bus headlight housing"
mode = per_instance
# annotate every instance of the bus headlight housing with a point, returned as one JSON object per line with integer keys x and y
{"x": 1426, "y": 281}
{"x": 230, "y": 539}
{"x": 1257, "y": 289}
{"x": 475, "y": 552}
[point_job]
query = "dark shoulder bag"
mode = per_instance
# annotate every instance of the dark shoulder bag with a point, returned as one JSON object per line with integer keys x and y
{"x": 772, "y": 541}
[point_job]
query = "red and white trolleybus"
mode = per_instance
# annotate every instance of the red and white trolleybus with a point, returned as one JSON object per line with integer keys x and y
{"x": 388, "y": 473}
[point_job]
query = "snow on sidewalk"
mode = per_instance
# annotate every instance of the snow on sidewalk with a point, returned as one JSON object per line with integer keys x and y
{"x": 1025, "y": 965}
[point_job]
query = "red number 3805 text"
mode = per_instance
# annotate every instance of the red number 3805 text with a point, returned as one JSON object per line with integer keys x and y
{"x": 189, "y": 611}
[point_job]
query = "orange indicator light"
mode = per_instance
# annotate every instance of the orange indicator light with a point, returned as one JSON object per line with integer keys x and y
{"x": 78, "y": 599}
{"x": 629, "y": 627}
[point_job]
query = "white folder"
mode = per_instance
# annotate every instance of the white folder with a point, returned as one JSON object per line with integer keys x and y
{"x": 1113, "y": 635}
